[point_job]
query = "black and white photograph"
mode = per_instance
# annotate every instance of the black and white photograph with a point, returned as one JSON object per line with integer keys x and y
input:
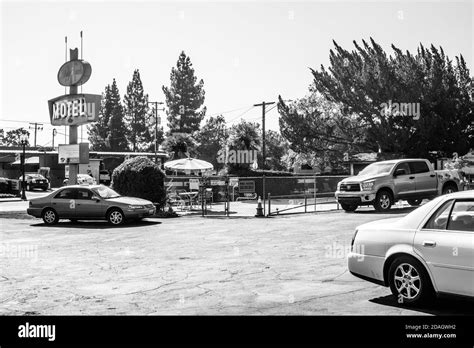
{"x": 235, "y": 162}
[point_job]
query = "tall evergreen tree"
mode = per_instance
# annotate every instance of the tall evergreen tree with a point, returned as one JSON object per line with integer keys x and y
{"x": 108, "y": 133}
{"x": 137, "y": 116}
{"x": 116, "y": 138}
{"x": 98, "y": 131}
{"x": 184, "y": 98}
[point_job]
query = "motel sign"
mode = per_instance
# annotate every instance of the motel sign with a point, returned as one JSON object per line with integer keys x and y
{"x": 77, "y": 109}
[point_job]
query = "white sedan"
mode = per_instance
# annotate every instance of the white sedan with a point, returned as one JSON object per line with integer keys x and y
{"x": 82, "y": 179}
{"x": 428, "y": 252}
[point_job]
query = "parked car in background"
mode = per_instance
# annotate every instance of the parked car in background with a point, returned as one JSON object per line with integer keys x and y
{"x": 428, "y": 252}
{"x": 105, "y": 177}
{"x": 82, "y": 179}
{"x": 35, "y": 180}
{"x": 97, "y": 202}
{"x": 381, "y": 184}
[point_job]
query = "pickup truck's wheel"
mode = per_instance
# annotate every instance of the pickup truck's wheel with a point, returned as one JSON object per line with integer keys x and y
{"x": 50, "y": 217}
{"x": 348, "y": 207}
{"x": 383, "y": 200}
{"x": 409, "y": 281}
{"x": 115, "y": 217}
{"x": 449, "y": 188}
{"x": 414, "y": 202}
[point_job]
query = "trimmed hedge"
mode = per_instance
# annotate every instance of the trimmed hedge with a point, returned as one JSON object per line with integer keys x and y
{"x": 140, "y": 177}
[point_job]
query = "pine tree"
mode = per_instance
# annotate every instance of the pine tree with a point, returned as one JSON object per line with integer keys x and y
{"x": 137, "y": 115}
{"x": 184, "y": 98}
{"x": 98, "y": 131}
{"x": 116, "y": 139}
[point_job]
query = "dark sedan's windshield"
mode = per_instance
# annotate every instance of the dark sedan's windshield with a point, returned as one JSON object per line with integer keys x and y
{"x": 106, "y": 192}
{"x": 35, "y": 176}
{"x": 377, "y": 168}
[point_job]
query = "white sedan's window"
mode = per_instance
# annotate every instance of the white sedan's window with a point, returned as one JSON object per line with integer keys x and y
{"x": 462, "y": 216}
{"x": 439, "y": 219}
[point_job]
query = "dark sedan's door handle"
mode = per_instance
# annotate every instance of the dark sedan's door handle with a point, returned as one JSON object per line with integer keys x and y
{"x": 411, "y": 177}
{"x": 432, "y": 175}
{"x": 54, "y": 203}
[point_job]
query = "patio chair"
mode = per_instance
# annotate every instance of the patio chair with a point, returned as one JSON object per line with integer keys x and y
{"x": 175, "y": 200}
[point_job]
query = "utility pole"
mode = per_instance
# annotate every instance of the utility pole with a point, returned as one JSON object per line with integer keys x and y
{"x": 54, "y": 134}
{"x": 263, "y": 105}
{"x": 37, "y": 127}
{"x": 156, "y": 127}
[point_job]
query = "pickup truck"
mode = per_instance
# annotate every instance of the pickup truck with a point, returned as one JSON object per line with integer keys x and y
{"x": 383, "y": 183}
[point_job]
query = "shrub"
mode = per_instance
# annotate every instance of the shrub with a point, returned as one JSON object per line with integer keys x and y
{"x": 140, "y": 177}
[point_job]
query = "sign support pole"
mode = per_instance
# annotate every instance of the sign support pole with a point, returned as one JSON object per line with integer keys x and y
{"x": 73, "y": 168}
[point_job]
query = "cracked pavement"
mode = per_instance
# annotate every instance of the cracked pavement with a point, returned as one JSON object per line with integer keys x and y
{"x": 293, "y": 265}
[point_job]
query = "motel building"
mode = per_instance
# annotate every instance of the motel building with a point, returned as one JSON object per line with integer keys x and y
{"x": 46, "y": 160}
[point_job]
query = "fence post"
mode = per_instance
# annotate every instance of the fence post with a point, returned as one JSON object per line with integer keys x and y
{"x": 269, "y": 203}
{"x": 305, "y": 203}
{"x": 202, "y": 198}
{"x": 314, "y": 192}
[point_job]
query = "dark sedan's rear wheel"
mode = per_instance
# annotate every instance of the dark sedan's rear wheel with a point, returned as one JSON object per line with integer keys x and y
{"x": 348, "y": 207}
{"x": 409, "y": 281}
{"x": 115, "y": 217}
{"x": 50, "y": 217}
{"x": 415, "y": 202}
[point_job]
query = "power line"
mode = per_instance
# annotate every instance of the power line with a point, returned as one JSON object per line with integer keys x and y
{"x": 17, "y": 121}
{"x": 226, "y": 112}
{"x": 243, "y": 113}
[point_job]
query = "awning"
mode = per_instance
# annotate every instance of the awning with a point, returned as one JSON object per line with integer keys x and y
{"x": 30, "y": 160}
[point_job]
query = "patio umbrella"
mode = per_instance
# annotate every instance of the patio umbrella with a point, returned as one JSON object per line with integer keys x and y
{"x": 188, "y": 165}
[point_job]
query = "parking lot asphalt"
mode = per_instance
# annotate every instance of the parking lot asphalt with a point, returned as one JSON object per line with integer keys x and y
{"x": 293, "y": 265}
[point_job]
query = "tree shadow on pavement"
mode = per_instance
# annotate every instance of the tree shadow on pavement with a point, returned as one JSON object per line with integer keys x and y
{"x": 440, "y": 306}
{"x": 95, "y": 224}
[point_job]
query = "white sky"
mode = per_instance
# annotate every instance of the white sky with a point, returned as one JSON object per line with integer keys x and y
{"x": 246, "y": 51}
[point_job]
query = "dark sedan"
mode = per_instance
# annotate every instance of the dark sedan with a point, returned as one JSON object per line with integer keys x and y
{"x": 35, "y": 180}
{"x": 96, "y": 202}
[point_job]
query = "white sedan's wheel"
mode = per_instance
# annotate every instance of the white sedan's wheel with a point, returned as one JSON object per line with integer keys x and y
{"x": 409, "y": 281}
{"x": 115, "y": 217}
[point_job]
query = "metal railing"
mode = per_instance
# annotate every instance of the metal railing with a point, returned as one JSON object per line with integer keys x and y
{"x": 299, "y": 203}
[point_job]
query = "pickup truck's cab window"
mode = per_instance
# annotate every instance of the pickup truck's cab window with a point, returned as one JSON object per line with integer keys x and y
{"x": 419, "y": 167}
{"x": 404, "y": 166}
